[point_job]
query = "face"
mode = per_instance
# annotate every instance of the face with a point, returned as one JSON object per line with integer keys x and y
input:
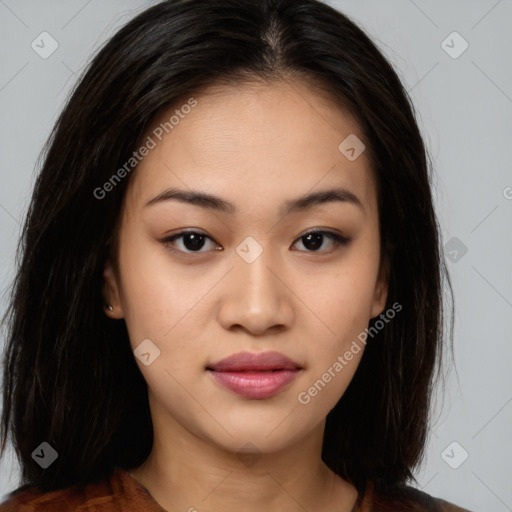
{"x": 253, "y": 268}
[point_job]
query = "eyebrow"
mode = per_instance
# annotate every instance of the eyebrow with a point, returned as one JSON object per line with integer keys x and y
{"x": 302, "y": 203}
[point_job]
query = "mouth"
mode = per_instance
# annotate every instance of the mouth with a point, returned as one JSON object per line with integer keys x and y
{"x": 255, "y": 376}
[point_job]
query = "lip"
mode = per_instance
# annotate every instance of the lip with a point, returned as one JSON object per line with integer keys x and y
{"x": 255, "y": 375}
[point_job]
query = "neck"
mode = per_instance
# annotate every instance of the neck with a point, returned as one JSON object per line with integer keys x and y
{"x": 192, "y": 474}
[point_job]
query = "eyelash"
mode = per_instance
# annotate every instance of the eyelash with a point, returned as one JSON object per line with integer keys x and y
{"x": 337, "y": 239}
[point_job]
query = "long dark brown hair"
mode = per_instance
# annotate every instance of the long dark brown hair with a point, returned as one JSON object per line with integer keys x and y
{"x": 70, "y": 378}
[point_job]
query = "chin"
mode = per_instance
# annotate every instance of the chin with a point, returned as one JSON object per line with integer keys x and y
{"x": 257, "y": 434}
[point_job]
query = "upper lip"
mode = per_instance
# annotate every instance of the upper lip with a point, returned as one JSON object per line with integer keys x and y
{"x": 249, "y": 361}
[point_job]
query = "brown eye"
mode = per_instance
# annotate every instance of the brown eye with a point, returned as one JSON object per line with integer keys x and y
{"x": 192, "y": 241}
{"x": 314, "y": 240}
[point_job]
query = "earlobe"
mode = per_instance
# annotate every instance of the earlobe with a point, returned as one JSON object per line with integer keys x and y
{"x": 111, "y": 296}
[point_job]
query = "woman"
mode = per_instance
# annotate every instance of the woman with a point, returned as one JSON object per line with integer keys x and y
{"x": 230, "y": 289}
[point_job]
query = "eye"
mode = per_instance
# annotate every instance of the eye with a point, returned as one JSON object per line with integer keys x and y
{"x": 313, "y": 240}
{"x": 194, "y": 241}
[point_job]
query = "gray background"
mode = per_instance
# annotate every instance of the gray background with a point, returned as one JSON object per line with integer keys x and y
{"x": 465, "y": 112}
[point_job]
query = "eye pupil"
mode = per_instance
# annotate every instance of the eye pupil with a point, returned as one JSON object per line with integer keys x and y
{"x": 313, "y": 241}
{"x": 193, "y": 241}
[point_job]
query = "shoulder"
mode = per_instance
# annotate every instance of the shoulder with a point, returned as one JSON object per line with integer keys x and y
{"x": 405, "y": 498}
{"x": 120, "y": 492}
{"x": 76, "y": 497}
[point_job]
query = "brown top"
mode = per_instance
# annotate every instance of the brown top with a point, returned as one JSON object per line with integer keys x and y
{"x": 123, "y": 493}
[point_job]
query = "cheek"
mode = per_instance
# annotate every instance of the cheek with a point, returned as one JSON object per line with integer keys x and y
{"x": 163, "y": 302}
{"x": 343, "y": 299}
{"x": 341, "y": 303}
{"x": 328, "y": 385}
{"x": 150, "y": 302}
{"x": 336, "y": 353}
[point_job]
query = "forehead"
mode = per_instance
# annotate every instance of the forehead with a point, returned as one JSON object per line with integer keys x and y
{"x": 256, "y": 141}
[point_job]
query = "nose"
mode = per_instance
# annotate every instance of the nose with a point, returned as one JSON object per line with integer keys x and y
{"x": 256, "y": 298}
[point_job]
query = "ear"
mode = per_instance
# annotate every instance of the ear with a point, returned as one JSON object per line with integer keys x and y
{"x": 111, "y": 293}
{"x": 381, "y": 290}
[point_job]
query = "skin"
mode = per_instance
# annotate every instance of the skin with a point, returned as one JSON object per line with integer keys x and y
{"x": 255, "y": 145}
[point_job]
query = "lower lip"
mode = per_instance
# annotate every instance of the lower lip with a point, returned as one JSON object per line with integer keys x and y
{"x": 257, "y": 385}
